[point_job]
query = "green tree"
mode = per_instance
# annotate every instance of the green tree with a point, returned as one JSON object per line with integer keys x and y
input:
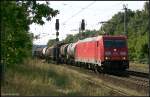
{"x": 74, "y": 38}
{"x": 16, "y": 41}
{"x": 51, "y": 42}
{"x": 69, "y": 39}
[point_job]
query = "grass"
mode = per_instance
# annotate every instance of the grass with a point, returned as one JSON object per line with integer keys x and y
{"x": 139, "y": 67}
{"x": 37, "y": 78}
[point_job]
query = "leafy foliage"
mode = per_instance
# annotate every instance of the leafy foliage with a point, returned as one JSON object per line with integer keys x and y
{"x": 16, "y": 41}
{"x": 87, "y": 33}
{"x": 137, "y": 28}
{"x": 51, "y": 42}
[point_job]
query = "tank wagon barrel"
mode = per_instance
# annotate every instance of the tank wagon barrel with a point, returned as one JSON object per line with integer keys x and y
{"x": 44, "y": 51}
{"x": 50, "y": 53}
{"x": 63, "y": 50}
{"x": 71, "y": 50}
{"x": 38, "y": 52}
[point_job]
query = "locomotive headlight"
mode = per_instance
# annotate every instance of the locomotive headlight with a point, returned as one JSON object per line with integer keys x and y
{"x": 107, "y": 53}
{"x": 124, "y": 58}
{"x": 123, "y": 53}
{"x": 107, "y": 58}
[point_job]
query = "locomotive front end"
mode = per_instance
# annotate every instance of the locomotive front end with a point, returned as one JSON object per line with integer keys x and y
{"x": 115, "y": 53}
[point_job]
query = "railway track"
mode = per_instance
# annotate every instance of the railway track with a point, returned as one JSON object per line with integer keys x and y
{"x": 114, "y": 90}
{"x": 138, "y": 74}
{"x": 138, "y": 83}
{"x": 144, "y": 82}
{"x": 130, "y": 82}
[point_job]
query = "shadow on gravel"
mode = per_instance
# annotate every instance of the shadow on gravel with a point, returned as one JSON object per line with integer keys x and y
{"x": 118, "y": 73}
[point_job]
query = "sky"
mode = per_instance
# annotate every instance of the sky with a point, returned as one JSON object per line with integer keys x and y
{"x": 71, "y": 14}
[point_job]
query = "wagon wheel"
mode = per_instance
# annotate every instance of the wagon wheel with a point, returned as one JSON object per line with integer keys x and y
{"x": 95, "y": 69}
{"x": 67, "y": 60}
{"x": 100, "y": 69}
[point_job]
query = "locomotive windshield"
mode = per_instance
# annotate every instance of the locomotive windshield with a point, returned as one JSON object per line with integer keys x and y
{"x": 114, "y": 43}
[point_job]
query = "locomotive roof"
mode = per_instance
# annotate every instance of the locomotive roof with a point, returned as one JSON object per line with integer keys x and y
{"x": 99, "y": 37}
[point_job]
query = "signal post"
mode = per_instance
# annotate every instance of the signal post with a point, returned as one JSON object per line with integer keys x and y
{"x": 57, "y": 39}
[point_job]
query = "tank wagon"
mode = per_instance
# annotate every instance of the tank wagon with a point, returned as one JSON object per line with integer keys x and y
{"x": 53, "y": 53}
{"x": 43, "y": 52}
{"x": 71, "y": 53}
{"x": 38, "y": 52}
{"x": 50, "y": 53}
{"x": 63, "y": 53}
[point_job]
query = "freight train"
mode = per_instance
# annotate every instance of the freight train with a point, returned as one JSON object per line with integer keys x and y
{"x": 101, "y": 53}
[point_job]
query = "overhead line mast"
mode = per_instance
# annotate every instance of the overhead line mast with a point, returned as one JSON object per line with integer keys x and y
{"x": 102, "y": 25}
{"x": 125, "y": 21}
{"x": 149, "y": 37}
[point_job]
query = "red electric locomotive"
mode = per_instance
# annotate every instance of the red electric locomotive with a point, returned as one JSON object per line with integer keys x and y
{"x": 103, "y": 52}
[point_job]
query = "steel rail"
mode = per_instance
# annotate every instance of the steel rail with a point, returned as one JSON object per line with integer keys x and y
{"x": 139, "y": 74}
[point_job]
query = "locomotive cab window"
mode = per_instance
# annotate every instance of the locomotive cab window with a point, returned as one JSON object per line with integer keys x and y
{"x": 114, "y": 43}
{"x": 120, "y": 43}
{"x": 108, "y": 43}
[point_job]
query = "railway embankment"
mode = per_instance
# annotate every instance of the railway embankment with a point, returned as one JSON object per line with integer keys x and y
{"x": 139, "y": 67}
{"x": 36, "y": 77}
